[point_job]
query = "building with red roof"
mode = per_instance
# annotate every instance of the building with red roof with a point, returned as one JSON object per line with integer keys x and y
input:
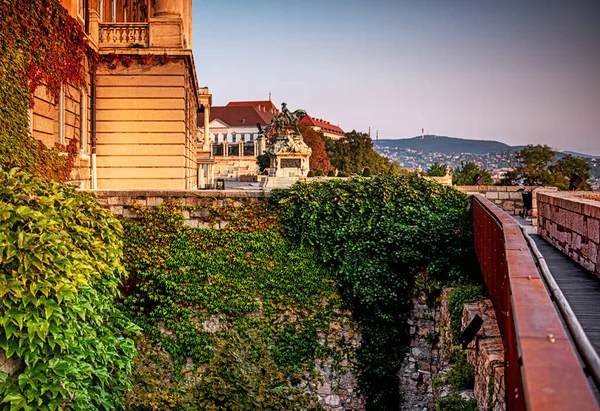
{"x": 329, "y": 130}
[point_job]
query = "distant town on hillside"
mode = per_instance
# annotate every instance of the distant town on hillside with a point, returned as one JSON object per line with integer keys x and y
{"x": 422, "y": 151}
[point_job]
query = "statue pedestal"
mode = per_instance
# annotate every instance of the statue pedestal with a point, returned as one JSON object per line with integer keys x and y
{"x": 289, "y": 157}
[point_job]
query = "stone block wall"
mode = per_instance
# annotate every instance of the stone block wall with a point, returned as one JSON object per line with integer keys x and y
{"x": 571, "y": 222}
{"x": 119, "y": 202}
{"x": 486, "y": 354}
{"x": 509, "y": 198}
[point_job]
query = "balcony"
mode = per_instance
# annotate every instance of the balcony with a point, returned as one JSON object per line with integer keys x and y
{"x": 123, "y": 35}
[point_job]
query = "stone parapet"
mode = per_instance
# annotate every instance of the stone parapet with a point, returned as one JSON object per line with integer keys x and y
{"x": 508, "y": 198}
{"x": 571, "y": 222}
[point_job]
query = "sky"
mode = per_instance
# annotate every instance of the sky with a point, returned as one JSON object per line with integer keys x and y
{"x": 516, "y": 71}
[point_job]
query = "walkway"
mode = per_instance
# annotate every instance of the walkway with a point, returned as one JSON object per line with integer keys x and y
{"x": 579, "y": 286}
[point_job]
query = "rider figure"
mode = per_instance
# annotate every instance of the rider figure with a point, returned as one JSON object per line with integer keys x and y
{"x": 287, "y": 115}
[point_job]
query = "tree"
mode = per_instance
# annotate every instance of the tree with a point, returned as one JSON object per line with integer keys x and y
{"x": 536, "y": 166}
{"x": 315, "y": 140}
{"x": 437, "y": 170}
{"x": 566, "y": 167}
{"x": 464, "y": 175}
{"x": 532, "y": 166}
{"x": 354, "y": 152}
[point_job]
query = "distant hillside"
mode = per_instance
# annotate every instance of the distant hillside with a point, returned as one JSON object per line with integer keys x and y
{"x": 454, "y": 145}
{"x": 447, "y": 145}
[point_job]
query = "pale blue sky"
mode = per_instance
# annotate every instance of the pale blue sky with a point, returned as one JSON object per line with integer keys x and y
{"x": 517, "y": 71}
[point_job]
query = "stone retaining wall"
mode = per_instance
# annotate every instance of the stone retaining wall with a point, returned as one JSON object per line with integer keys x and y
{"x": 486, "y": 354}
{"x": 509, "y": 198}
{"x": 119, "y": 202}
{"x": 571, "y": 221}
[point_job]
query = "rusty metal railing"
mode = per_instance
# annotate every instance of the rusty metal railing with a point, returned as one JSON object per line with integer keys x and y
{"x": 542, "y": 370}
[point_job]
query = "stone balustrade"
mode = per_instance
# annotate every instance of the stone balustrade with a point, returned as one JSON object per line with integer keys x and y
{"x": 123, "y": 34}
{"x": 571, "y": 222}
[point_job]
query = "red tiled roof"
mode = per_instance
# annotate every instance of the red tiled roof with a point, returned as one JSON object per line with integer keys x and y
{"x": 263, "y": 105}
{"x": 325, "y": 126}
{"x": 237, "y": 116}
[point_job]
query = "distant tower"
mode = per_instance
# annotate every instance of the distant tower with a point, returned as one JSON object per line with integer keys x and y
{"x": 269, "y": 96}
{"x": 422, "y": 133}
{"x": 369, "y": 131}
{"x": 377, "y": 141}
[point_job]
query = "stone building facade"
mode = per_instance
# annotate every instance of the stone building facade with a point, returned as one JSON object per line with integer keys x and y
{"x": 135, "y": 119}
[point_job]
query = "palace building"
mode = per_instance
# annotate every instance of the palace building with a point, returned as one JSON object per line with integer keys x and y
{"x": 136, "y": 118}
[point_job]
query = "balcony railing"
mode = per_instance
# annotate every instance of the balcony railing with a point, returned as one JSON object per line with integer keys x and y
{"x": 124, "y": 35}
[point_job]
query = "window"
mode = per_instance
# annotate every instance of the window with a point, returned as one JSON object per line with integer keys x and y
{"x": 81, "y": 9}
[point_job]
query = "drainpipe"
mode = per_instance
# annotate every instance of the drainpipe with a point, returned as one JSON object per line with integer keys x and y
{"x": 93, "y": 119}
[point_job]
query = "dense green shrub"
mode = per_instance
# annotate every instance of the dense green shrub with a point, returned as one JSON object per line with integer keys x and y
{"x": 246, "y": 279}
{"x": 462, "y": 374}
{"x": 310, "y": 174}
{"x": 366, "y": 172}
{"x": 377, "y": 233}
{"x": 331, "y": 173}
{"x": 319, "y": 173}
{"x": 59, "y": 271}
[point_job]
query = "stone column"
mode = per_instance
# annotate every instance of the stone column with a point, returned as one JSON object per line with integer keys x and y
{"x": 206, "y": 125}
{"x": 168, "y": 8}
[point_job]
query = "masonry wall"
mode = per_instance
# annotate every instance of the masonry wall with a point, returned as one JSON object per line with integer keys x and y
{"x": 509, "y": 198}
{"x": 145, "y": 131}
{"x": 571, "y": 221}
{"x": 120, "y": 201}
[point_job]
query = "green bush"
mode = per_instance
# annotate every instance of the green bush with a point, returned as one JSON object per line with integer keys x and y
{"x": 310, "y": 174}
{"x": 462, "y": 374}
{"x": 331, "y": 173}
{"x": 366, "y": 172}
{"x": 378, "y": 233}
{"x": 59, "y": 273}
{"x": 342, "y": 174}
{"x": 319, "y": 173}
{"x": 456, "y": 403}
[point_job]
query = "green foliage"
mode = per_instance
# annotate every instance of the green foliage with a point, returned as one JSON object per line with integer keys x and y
{"x": 462, "y": 375}
{"x": 40, "y": 44}
{"x": 59, "y": 271}
{"x": 377, "y": 233}
{"x": 457, "y": 298}
{"x": 354, "y": 152}
{"x": 319, "y": 173}
{"x": 565, "y": 168}
{"x": 158, "y": 384}
{"x": 464, "y": 175}
{"x": 456, "y": 403}
{"x": 342, "y": 174}
{"x": 366, "y": 172}
{"x": 244, "y": 376}
{"x": 331, "y": 173}
{"x": 437, "y": 170}
{"x": 310, "y": 174}
{"x": 243, "y": 277}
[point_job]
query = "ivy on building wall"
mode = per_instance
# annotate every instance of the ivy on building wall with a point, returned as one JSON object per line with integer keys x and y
{"x": 59, "y": 272}
{"x": 200, "y": 294}
{"x": 377, "y": 233}
{"x": 40, "y": 44}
